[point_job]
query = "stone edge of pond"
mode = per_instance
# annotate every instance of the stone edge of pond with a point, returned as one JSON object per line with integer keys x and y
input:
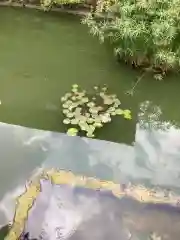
{"x": 78, "y": 12}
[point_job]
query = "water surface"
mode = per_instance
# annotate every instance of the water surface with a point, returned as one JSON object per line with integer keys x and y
{"x": 42, "y": 55}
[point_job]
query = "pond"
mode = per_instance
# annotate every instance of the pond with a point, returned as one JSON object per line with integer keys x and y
{"x": 42, "y": 55}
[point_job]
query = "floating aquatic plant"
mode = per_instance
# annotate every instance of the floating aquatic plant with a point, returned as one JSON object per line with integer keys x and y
{"x": 74, "y": 86}
{"x": 89, "y": 112}
{"x": 127, "y": 114}
{"x": 66, "y": 121}
{"x": 72, "y": 132}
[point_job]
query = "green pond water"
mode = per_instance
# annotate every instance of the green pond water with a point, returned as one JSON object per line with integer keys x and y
{"x": 43, "y": 54}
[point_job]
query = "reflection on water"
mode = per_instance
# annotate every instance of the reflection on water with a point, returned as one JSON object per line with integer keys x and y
{"x": 157, "y": 145}
{"x": 152, "y": 160}
{"x": 149, "y": 117}
{"x": 123, "y": 218}
{"x": 153, "y": 157}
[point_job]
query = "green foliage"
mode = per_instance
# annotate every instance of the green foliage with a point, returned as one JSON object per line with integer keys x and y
{"x": 47, "y": 4}
{"x": 72, "y": 132}
{"x": 145, "y": 33}
{"x": 88, "y": 112}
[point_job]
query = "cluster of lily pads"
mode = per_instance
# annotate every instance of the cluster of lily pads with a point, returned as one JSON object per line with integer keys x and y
{"x": 86, "y": 112}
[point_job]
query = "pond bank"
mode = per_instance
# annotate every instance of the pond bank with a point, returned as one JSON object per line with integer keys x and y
{"x": 81, "y": 11}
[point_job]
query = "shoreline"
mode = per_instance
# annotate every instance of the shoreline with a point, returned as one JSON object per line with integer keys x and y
{"x": 78, "y": 12}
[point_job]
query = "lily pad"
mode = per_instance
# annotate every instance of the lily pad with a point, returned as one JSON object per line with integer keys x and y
{"x": 74, "y": 105}
{"x": 127, "y": 114}
{"x": 113, "y": 113}
{"x": 74, "y": 90}
{"x": 90, "y": 113}
{"x": 73, "y": 98}
{"x": 63, "y": 99}
{"x": 117, "y": 102}
{"x": 113, "y": 96}
{"x": 105, "y": 118}
{"x": 65, "y": 105}
{"x": 75, "y": 86}
{"x": 93, "y": 110}
{"x": 82, "y": 122}
{"x": 98, "y": 125}
{"x": 69, "y": 102}
{"x": 67, "y": 95}
{"x": 102, "y": 94}
{"x": 70, "y": 115}
{"x": 108, "y": 101}
{"x": 94, "y": 115}
{"x": 87, "y": 115}
{"x": 72, "y": 131}
{"x": 90, "y": 135}
{"x": 82, "y": 118}
{"x": 119, "y": 111}
{"x": 104, "y": 89}
{"x": 66, "y": 121}
{"x": 80, "y": 95}
{"x": 83, "y": 126}
{"x": 111, "y": 110}
{"x": 91, "y": 128}
{"x": 78, "y": 110}
{"x": 127, "y": 111}
{"x": 90, "y": 120}
{"x": 74, "y": 121}
{"x": 70, "y": 108}
{"x": 77, "y": 116}
{"x": 128, "y": 117}
{"x": 100, "y": 108}
{"x": 65, "y": 111}
{"x": 91, "y": 104}
{"x": 84, "y": 100}
{"x": 97, "y": 119}
{"x": 116, "y": 105}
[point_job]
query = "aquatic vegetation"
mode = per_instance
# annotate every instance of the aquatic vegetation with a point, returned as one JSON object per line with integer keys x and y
{"x": 72, "y": 131}
{"x": 89, "y": 112}
{"x": 143, "y": 33}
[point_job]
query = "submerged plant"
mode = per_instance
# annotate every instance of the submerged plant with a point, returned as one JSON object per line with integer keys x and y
{"x": 89, "y": 112}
